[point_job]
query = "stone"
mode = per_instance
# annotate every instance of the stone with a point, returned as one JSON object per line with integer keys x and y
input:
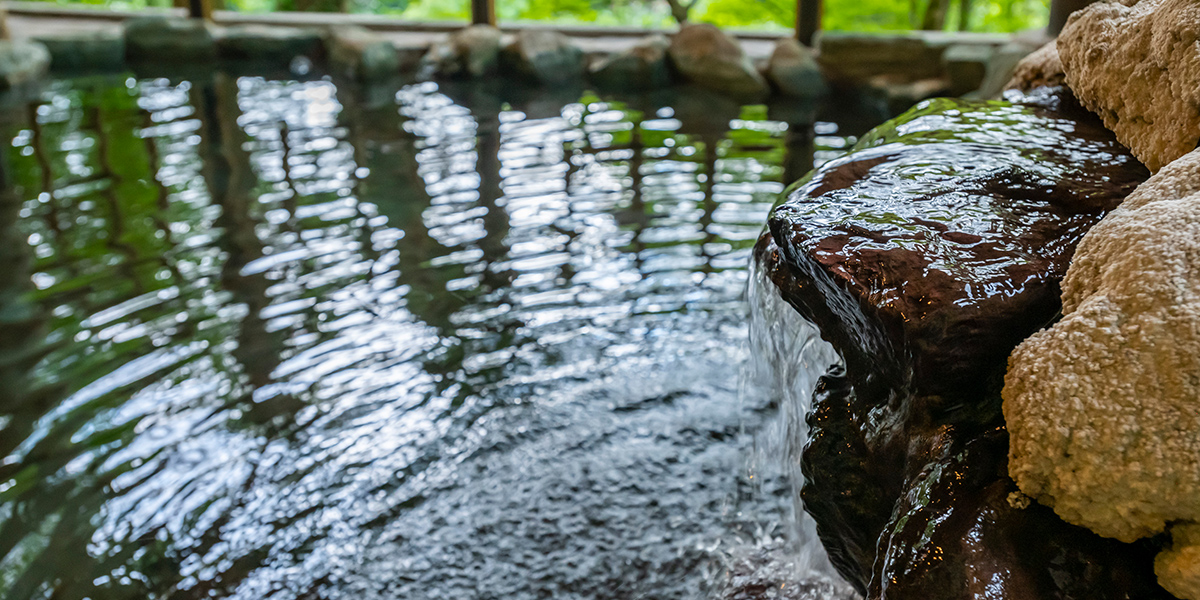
{"x": 22, "y": 63}
{"x": 169, "y": 40}
{"x": 899, "y": 95}
{"x": 260, "y": 43}
{"x": 642, "y": 67}
{"x": 470, "y": 52}
{"x": 358, "y": 53}
{"x": 706, "y": 56}
{"x": 1103, "y": 406}
{"x": 1178, "y": 568}
{"x": 1137, "y": 65}
{"x": 966, "y": 66}
{"x": 543, "y": 56}
{"x": 102, "y": 50}
{"x": 793, "y": 70}
{"x": 852, "y": 58}
{"x": 1043, "y": 68}
{"x": 924, "y": 256}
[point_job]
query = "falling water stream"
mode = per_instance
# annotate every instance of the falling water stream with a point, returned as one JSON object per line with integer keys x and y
{"x": 283, "y": 339}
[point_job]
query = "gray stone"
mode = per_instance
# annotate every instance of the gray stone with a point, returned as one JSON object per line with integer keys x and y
{"x": 470, "y": 52}
{"x": 544, "y": 56}
{"x": 967, "y": 66}
{"x": 174, "y": 40}
{"x": 642, "y": 67}
{"x": 708, "y": 57}
{"x": 267, "y": 43}
{"x": 793, "y": 70}
{"x": 358, "y": 53}
{"x": 850, "y": 59}
{"x": 22, "y": 63}
{"x": 86, "y": 51}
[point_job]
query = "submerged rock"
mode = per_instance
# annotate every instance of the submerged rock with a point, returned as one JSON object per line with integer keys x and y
{"x": 710, "y": 58}
{"x": 924, "y": 256}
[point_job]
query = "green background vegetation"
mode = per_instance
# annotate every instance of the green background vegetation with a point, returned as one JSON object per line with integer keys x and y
{"x": 840, "y": 15}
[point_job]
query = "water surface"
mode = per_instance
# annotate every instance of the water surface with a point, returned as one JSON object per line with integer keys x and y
{"x": 281, "y": 339}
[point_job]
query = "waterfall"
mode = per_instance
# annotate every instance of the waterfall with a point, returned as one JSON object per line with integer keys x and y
{"x": 787, "y": 357}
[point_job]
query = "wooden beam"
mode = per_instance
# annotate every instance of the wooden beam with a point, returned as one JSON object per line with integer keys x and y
{"x": 483, "y": 12}
{"x": 808, "y": 20}
{"x": 1060, "y": 10}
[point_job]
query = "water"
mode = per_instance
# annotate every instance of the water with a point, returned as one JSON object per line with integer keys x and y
{"x": 280, "y": 339}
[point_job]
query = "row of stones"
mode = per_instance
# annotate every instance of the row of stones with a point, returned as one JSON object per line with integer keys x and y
{"x": 698, "y": 53}
{"x": 910, "y": 67}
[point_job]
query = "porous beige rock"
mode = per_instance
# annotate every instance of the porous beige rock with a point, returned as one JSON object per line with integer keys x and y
{"x": 1137, "y": 65}
{"x": 1103, "y": 408}
{"x": 1041, "y": 68}
{"x": 1178, "y": 568}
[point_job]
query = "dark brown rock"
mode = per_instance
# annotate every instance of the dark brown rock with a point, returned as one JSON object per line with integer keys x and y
{"x": 925, "y": 256}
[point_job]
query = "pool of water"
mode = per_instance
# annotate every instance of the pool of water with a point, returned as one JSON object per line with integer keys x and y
{"x": 285, "y": 339}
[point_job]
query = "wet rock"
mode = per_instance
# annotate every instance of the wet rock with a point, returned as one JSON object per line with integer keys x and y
{"x": 173, "y": 40}
{"x": 470, "y": 52}
{"x": 642, "y": 67}
{"x": 86, "y": 51}
{"x": 260, "y": 43}
{"x": 924, "y": 257}
{"x": 706, "y": 56}
{"x": 1137, "y": 65}
{"x": 22, "y": 63}
{"x": 543, "y": 56}
{"x": 359, "y": 53}
{"x": 793, "y": 70}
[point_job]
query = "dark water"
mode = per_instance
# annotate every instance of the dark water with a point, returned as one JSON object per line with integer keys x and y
{"x": 274, "y": 339}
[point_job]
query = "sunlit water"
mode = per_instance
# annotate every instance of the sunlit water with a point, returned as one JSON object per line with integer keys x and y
{"x": 272, "y": 339}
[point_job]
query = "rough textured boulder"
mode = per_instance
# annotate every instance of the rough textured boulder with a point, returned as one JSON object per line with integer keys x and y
{"x": 470, "y": 52}
{"x": 924, "y": 256}
{"x": 162, "y": 39}
{"x": 642, "y": 67}
{"x": 1043, "y": 68}
{"x": 1137, "y": 65}
{"x": 709, "y": 58}
{"x": 1104, "y": 407}
{"x": 544, "y": 56}
{"x": 793, "y": 70}
{"x": 1178, "y": 567}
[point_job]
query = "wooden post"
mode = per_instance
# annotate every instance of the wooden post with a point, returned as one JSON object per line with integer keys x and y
{"x": 483, "y": 12}
{"x": 1060, "y": 10}
{"x": 197, "y": 9}
{"x": 808, "y": 20}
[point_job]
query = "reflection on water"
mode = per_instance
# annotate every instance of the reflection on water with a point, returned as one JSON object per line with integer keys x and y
{"x": 267, "y": 339}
